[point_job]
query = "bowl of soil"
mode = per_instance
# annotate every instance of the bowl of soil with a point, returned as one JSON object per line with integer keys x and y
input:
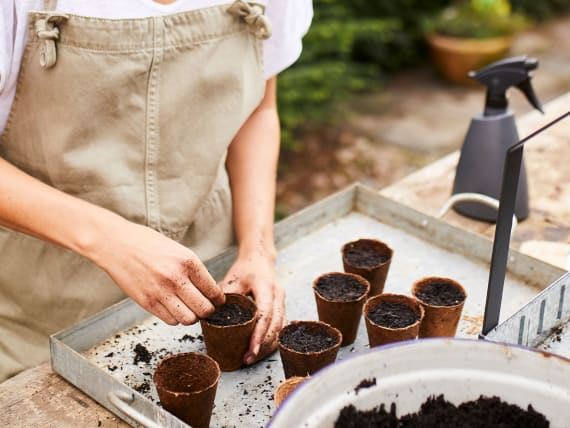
{"x": 370, "y": 259}
{"x": 186, "y": 384}
{"x": 464, "y": 382}
{"x": 442, "y": 300}
{"x": 392, "y": 318}
{"x": 340, "y": 297}
{"x": 307, "y": 346}
{"x": 228, "y": 330}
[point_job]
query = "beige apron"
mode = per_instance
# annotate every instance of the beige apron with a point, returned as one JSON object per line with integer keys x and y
{"x": 134, "y": 115}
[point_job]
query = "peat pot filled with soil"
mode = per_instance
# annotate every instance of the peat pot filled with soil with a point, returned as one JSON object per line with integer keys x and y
{"x": 228, "y": 330}
{"x": 340, "y": 297}
{"x": 370, "y": 259}
{"x": 392, "y": 318}
{"x": 442, "y": 300}
{"x": 307, "y": 346}
{"x": 186, "y": 385}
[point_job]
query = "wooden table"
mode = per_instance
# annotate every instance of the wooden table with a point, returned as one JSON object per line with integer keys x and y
{"x": 38, "y": 397}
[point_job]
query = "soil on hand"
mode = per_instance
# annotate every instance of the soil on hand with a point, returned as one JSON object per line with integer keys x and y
{"x": 340, "y": 288}
{"x": 230, "y": 314}
{"x": 393, "y": 315}
{"x": 436, "y": 412}
{"x": 440, "y": 294}
{"x": 364, "y": 257}
{"x": 301, "y": 339}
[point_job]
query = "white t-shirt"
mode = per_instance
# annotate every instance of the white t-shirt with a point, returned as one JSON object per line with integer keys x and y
{"x": 290, "y": 20}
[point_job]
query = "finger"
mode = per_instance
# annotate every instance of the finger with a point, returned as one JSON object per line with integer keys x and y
{"x": 264, "y": 301}
{"x": 202, "y": 280}
{"x": 158, "y": 310}
{"x": 180, "y": 310}
{"x": 269, "y": 343}
{"x": 193, "y": 299}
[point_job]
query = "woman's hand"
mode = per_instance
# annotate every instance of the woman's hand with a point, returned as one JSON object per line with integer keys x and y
{"x": 164, "y": 277}
{"x": 255, "y": 274}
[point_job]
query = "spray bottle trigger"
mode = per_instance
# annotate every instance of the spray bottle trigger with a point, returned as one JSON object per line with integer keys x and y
{"x": 526, "y": 88}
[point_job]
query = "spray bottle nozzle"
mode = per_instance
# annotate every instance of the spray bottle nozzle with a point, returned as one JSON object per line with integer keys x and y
{"x": 500, "y": 76}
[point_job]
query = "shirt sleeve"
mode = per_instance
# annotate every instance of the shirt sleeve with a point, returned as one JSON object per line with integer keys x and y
{"x": 290, "y": 21}
{"x": 7, "y": 13}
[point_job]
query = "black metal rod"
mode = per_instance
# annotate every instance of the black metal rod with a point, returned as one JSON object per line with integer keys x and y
{"x": 501, "y": 243}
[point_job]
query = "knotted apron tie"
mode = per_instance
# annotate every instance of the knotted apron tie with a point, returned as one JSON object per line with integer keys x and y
{"x": 48, "y": 32}
{"x": 252, "y": 14}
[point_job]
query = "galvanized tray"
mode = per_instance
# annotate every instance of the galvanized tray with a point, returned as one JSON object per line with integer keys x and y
{"x": 543, "y": 323}
{"x": 98, "y": 355}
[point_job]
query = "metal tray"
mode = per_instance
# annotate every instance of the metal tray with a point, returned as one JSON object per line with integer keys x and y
{"x": 98, "y": 355}
{"x": 543, "y": 323}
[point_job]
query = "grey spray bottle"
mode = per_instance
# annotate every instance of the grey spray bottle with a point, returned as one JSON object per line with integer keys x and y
{"x": 490, "y": 134}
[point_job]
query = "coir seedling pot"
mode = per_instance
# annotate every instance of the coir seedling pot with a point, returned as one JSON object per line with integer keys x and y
{"x": 392, "y": 318}
{"x": 307, "y": 346}
{"x": 186, "y": 384}
{"x": 442, "y": 300}
{"x": 369, "y": 258}
{"x": 340, "y": 297}
{"x": 227, "y": 332}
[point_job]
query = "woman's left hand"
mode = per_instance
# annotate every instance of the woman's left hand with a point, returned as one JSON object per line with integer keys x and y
{"x": 255, "y": 274}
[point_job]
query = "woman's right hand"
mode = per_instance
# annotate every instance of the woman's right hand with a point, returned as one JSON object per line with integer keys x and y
{"x": 164, "y": 277}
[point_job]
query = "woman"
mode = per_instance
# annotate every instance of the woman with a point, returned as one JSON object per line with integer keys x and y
{"x": 124, "y": 125}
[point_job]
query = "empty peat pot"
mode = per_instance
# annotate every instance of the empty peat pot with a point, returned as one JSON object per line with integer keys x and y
{"x": 287, "y": 387}
{"x": 442, "y": 300}
{"x": 186, "y": 384}
{"x": 228, "y": 330}
{"x": 370, "y": 259}
{"x": 392, "y": 318}
{"x": 340, "y": 297}
{"x": 307, "y": 346}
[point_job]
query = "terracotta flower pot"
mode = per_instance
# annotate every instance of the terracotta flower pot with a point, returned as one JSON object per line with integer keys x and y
{"x": 455, "y": 57}
{"x": 340, "y": 297}
{"x": 287, "y": 387}
{"x": 440, "y": 318}
{"x": 370, "y": 259}
{"x": 307, "y": 346}
{"x": 186, "y": 384}
{"x": 227, "y": 344}
{"x": 400, "y": 325}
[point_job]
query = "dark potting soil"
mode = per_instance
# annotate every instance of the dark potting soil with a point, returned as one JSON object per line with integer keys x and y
{"x": 302, "y": 339}
{"x": 365, "y": 383}
{"x": 436, "y": 412}
{"x": 364, "y": 257}
{"x": 230, "y": 314}
{"x": 393, "y": 315}
{"x": 441, "y": 294}
{"x": 141, "y": 354}
{"x": 340, "y": 288}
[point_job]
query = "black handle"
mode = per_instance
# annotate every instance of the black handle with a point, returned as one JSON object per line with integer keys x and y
{"x": 502, "y": 238}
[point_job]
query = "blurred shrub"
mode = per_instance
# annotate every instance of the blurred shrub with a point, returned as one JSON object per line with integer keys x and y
{"x": 352, "y": 45}
{"x": 541, "y": 9}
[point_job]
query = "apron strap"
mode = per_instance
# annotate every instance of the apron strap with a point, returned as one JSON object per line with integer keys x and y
{"x": 50, "y": 4}
{"x": 47, "y": 32}
{"x": 252, "y": 14}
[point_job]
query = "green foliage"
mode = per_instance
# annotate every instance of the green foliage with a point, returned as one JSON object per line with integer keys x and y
{"x": 353, "y": 44}
{"x": 477, "y": 19}
{"x": 541, "y": 9}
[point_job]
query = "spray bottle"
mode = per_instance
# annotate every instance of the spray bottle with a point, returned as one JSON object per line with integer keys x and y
{"x": 490, "y": 134}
